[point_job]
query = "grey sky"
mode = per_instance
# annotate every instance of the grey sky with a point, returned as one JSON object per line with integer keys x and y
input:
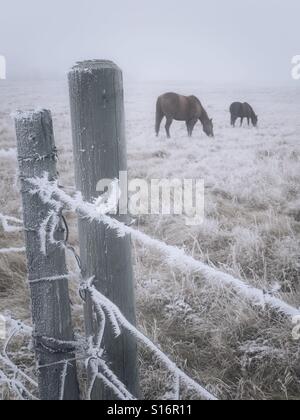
{"x": 213, "y": 40}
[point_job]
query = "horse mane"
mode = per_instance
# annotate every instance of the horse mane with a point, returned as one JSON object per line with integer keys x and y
{"x": 251, "y": 110}
{"x": 204, "y": 115}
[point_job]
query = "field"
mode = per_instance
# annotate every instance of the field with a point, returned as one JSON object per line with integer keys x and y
{"x": 251, "y": 230}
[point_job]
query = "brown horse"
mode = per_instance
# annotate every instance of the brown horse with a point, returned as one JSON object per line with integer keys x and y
{"x": 182, "y": 108}
{"x": 239, "y": 110}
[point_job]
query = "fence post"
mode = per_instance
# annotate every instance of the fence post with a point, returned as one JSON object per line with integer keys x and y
{"x": 97, "y": 111}
{"x": 51, "y": 312}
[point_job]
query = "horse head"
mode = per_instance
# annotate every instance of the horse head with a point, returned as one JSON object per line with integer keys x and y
{"x": 254, "y": 120}
{"x": 208, "y": 128}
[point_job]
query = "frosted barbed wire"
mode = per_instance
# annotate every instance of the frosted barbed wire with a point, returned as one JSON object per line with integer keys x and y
{"x": 99, "y": 367}
{"x": 110, "y": 307}
{"x": 7, "y": 227}
{"x": 94, "y": 353}
{"x": 68, "y": 276}
{"x": 94, "y": 366}
{"x": 12, "y": 250}
{"x": 85, "y": 352}
{"x": 43, "y": 232}
{"x": 94, "y": 360}
{"x": 15, "y": 328}
{"x": 15, "y": 377}
{"x": 63, "y": 380}
{"x": 15, "y": 386}
{"x": 173, "y": 256}
{"x": 51, "y": 194}
{"x": 47, "y": 231}
{"x": 114, "y": 380}
{"x": 25, "y": 329}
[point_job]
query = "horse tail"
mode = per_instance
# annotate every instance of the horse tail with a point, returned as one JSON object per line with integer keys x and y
{"x": 159, "y": 116}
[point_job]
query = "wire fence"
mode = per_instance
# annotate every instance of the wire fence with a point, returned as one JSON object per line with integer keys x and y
{"x": 91, "y": 351}
{"x": 173, "y": 256}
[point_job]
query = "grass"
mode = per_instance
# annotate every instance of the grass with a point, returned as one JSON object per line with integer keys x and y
{"x": 251, "y": 230}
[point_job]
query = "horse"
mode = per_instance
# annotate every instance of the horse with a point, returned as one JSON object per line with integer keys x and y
{"x": 182, "y": 108}
{"x": 239, "y": 110}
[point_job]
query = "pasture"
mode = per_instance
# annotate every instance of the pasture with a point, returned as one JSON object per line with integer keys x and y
{"x": 251, "y": 230}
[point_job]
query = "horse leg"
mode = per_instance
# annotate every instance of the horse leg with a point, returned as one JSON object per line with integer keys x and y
{"x": 233, "y": 120}
{"x": 188, "y": 128}
{"x": 168, "y": 125}
{"x": 191, "y": 125}
{"x": 159, "y": 118}
{"x": 242, "y": 120}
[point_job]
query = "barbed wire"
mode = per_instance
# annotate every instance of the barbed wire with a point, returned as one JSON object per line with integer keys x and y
{"x": 12, "y": 250}
{"x": 17, "y": 381}
{"x": 91, "y": 350}
{"x": 11, "y": 225}
{"x": 119, "y": 322}
{"x": 105, "y": 309}
{"x": 173, "y": 256}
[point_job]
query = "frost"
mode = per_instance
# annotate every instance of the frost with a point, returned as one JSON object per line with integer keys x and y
{"x": 25, "y": 115}
{"x": 12, "y": 250}
{"x": 9, "y": 223}
{"x": 173, "y": 256}
{"x": 19, "y": 382}
{"x": 118, "y": 322}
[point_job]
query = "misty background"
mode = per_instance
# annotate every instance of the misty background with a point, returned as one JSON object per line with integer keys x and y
{"x": 249, "y": 41}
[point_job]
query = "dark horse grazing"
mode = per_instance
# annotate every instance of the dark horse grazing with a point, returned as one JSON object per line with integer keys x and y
{"x": 182, "y": 108}
{"x": 239, "y": 110}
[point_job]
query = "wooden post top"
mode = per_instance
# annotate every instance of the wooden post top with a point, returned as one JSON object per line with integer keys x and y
{"x": 90, "y": 65}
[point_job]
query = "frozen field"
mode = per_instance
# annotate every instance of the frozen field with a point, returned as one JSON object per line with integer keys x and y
{"x": 251, "y": 230}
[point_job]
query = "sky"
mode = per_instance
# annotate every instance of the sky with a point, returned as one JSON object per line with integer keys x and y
{"x": 248, "y": 41}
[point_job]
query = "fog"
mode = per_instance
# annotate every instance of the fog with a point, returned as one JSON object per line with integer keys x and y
{"x": 249, "y": 41}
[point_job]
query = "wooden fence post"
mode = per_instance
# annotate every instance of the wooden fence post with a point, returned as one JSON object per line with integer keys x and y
{"x": 97, "y": 111}
{"x": 51, "y": 312}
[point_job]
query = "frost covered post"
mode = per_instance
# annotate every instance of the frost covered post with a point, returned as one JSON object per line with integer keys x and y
{"x": 97, "y": 111}
{"x": 51, "y": 314}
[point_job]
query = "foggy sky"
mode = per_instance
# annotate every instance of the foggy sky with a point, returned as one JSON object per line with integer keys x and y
{"x": 214, "y": 40}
